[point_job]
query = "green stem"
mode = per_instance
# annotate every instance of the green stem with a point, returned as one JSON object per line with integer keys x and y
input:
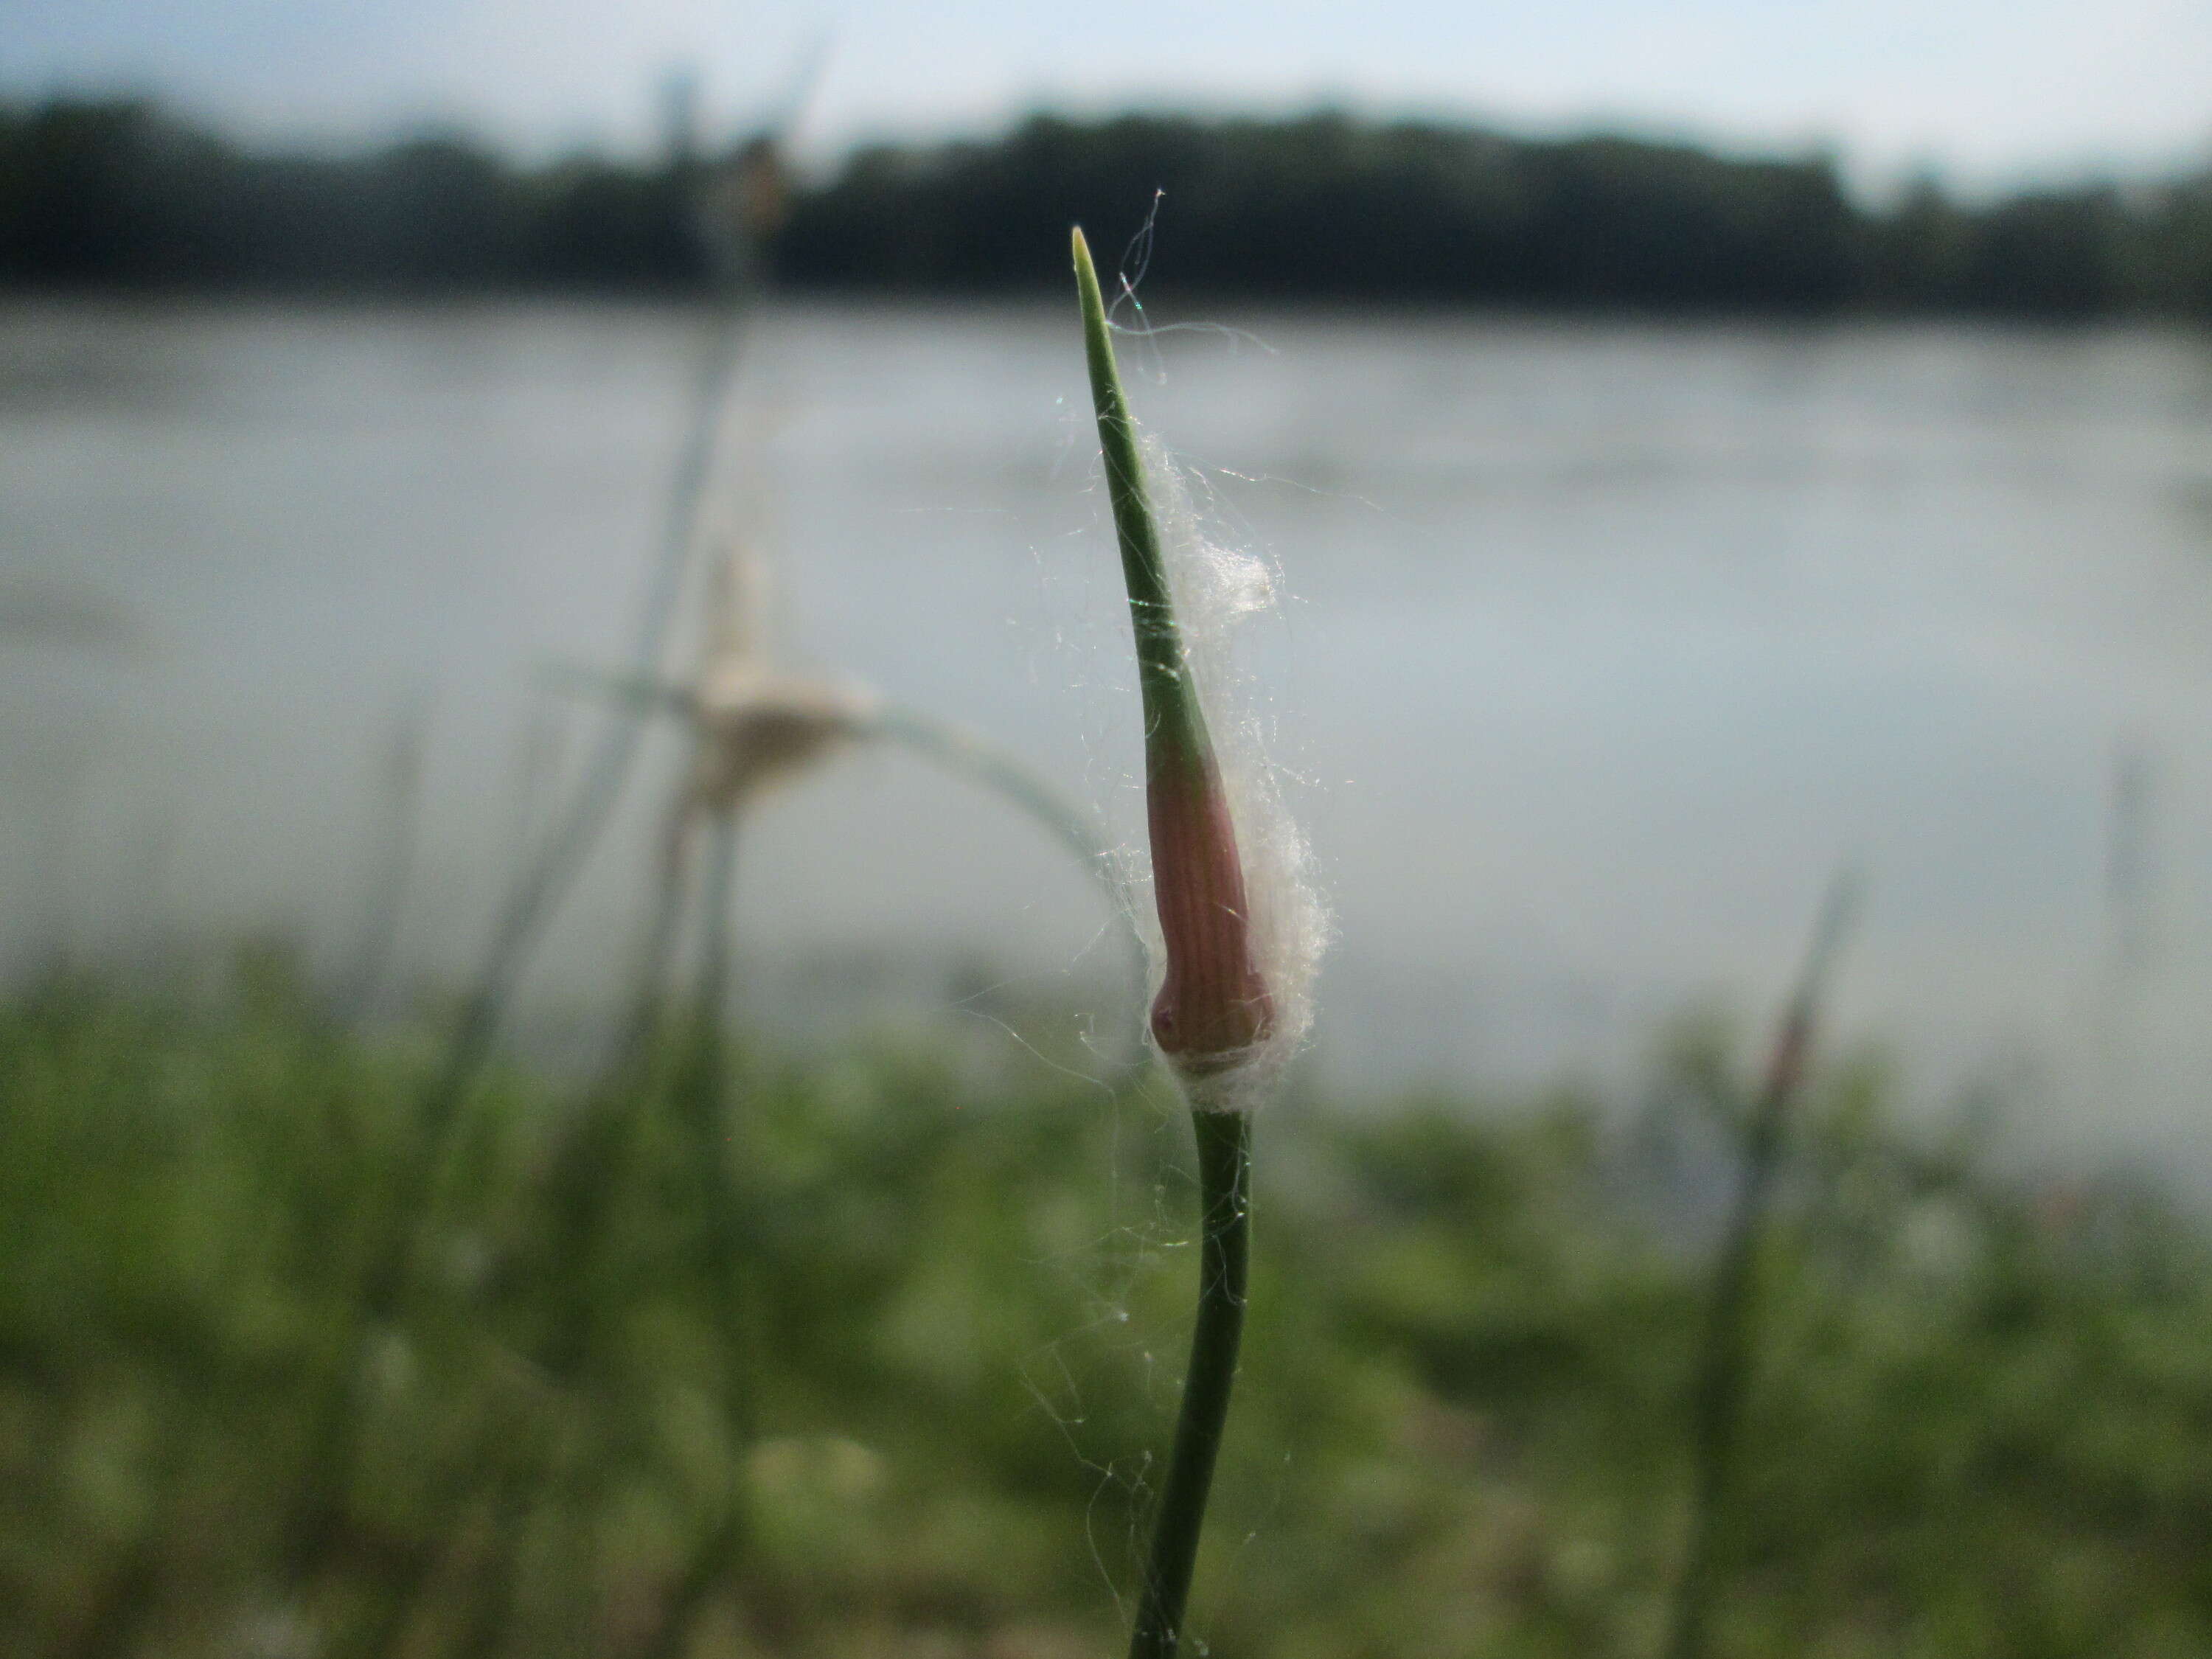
{"x": 391, "y": 867}
{"x": 703, "y": 1096}
{"x": 1224, "y": 1182}
{"x": 633, "y": 1046}
{"x": 1727, "y": 1358}
{"x": 535, "y": 895}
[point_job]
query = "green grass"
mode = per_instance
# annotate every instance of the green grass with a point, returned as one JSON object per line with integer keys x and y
{"x": 1981, "y": 1423}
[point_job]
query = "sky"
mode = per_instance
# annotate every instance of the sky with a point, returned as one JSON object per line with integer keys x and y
{"x": 1989, "y": 94}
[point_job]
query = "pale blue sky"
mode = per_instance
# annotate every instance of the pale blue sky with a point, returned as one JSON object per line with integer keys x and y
{"x": 1989, "y": 92}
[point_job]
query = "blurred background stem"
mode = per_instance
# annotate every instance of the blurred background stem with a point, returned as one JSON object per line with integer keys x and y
{"x": 1728, "y": 1357}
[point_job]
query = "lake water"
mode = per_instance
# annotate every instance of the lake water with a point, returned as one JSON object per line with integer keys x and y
{"x": 1601, "y": 647}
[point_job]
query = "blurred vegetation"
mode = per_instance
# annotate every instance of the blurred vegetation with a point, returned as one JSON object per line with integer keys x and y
{"x": 122, "y": 195}
{"x": 1981, "y": 1423}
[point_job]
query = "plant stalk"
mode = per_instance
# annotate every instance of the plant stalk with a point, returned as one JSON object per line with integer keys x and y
{"x": 1225, "y": 1182}
{"x": 1729, "y": 1352}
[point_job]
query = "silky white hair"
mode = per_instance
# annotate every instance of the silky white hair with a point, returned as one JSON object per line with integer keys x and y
{"x": 1218, "y": 590}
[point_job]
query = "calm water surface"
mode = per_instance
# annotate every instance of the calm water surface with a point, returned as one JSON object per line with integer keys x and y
{"x": 1601, "y": 647}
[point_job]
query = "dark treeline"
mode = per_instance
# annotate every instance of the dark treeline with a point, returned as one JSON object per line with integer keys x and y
{"x": 120, "y": 195}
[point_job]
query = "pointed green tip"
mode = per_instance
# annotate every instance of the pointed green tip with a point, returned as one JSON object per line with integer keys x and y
{"x": 1172, "y": 715}
{"x": 1086, "y": 274}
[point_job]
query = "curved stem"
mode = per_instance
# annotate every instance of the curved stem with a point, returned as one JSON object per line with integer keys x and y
{"x": 971, "y": 756}
{"x": 956, "y": 749}
{"x": 968, "y": 754}
{"x": 1225, "y": 1180}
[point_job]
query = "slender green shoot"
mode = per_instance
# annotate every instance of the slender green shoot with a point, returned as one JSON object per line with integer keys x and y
{"x": 1213, "y": 1006}
{"x": 1729, "y": 1354}
{"x": 1224, "y": 1185}
{"x": 538, "y": 893}
{"x": 1173, "y": 719}
{"x": 391, "y": 865}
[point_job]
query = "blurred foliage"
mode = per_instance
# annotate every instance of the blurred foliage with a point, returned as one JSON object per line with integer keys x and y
{"x": 1982, "y": 1423}
{"x": 123, "y": 195}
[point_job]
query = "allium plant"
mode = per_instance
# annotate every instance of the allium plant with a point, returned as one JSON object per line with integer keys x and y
{"x": 1239, "y": 934}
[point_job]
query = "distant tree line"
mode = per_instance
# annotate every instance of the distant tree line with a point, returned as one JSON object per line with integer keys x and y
{"x": 120, "y": 195}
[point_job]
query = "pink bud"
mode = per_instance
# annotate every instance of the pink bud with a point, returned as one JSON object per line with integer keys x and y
{"x": 1214, "y": 1007}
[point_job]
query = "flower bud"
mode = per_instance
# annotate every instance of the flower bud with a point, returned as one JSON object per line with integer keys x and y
{"x": 1214, "y": 1010}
